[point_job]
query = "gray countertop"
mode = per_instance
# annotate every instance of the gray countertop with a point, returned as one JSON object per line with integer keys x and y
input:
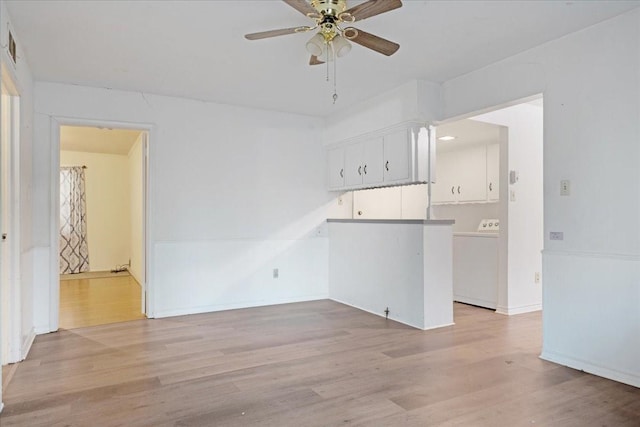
{"x": 394, "y": 221}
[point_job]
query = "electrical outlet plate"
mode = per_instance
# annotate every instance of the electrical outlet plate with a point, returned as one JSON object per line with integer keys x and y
{"x": 537, "y": 277}
{"x": 565, "y": 187}
{"x": 556, "y": 235}
{"x": 276, "y": 273}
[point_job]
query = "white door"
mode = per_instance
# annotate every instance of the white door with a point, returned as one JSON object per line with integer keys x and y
{"x": 353, "y": 165}
{"x": 335, "y": 168}
{"x": 372, "y": 155}
{"x": 397, "y": 156}
{"x": 471, "y": 174}
{"x": 10, "y": 291}
{"x": 444, "y": 189}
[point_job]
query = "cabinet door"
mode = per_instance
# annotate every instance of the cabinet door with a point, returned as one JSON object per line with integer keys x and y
{"x": 353, "y": 165}
{"x": 397, "y": 156}
{"x": 471, "y": 174}
{"x": 493, "y": 172}
{"x": 443, "y": 190}
{"x": 335, "y": 168}
{"x": 372, "y": 153}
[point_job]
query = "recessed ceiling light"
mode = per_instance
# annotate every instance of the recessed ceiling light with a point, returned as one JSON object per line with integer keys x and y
{"x": 446, "y": 138}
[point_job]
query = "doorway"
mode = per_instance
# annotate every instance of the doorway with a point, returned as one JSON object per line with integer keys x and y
{"x": 498, "y": 235}
{"x": 102, "y": 256}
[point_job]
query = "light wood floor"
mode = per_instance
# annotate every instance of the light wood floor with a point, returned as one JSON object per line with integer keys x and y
{"x": 96, "y": 300}
{"x": 309, "y": 364}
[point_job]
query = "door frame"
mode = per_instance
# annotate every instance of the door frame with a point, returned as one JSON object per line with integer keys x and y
{"x": 54, "y": 218}
{"x": 10, "y": 168}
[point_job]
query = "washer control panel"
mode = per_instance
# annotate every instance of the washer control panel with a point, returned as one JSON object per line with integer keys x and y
{"x": 492, "y": 225}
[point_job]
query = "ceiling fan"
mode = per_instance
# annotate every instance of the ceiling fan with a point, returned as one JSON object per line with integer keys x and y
{"x": 332, "y": 39}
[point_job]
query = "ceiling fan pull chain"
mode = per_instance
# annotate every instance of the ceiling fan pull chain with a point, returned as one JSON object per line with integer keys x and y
{"x": 335, "y": 74}
{"x": 327, "y": 58}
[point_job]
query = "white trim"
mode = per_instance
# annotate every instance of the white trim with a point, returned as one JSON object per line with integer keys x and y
{"x": 392, "y": 317}
{"x": 601, "y": 371}
{"x": 599, "y": 255}
{"x": 510, "y": 311}
{"x": 12, "y": 246}
{"x": 234, "y": 306}
{"x": 1, "y": 407}
{"x": 407, "y": 124}
{"x": 27, "y": 343}
{"x": 54, "y": 209}
{"x": 475, "y": 301}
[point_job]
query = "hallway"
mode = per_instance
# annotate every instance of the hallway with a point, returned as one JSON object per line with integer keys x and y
{"x": 91, "y": 299}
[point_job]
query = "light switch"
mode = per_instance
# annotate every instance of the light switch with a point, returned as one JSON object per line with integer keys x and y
{"x": 565, "y": 187}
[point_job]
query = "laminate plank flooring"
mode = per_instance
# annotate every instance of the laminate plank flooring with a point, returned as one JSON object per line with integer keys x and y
{"x": 316, "y": 363}
{"x": 98, "y": 300}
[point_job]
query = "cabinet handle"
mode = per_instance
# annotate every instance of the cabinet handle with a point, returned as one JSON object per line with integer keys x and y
{"x": 359, "y": 170}
{"x": 458, "y": 189}
{"x": 490, "y": 187}
{"x": 359, "y": 212}
{"x": 386, "y": 166}
{"x": 453, "y": 190}
{"x": 365, "y": 169}
{"x": 341, "y": 173}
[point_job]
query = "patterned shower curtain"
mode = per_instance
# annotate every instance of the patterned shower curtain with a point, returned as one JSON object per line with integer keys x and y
{"x": 74, "y": 251}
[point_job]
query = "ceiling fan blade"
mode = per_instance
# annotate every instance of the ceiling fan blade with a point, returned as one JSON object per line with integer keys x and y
{"x": 301, "y": 6}
{"x": 372, "y": 8}
{"x": 314, "y": 60}
{"x": 376, "y": 43}
{"x": 274, "y": 33}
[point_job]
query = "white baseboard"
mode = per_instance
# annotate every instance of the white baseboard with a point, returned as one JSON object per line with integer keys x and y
{"x": 581, "y": 365}
{"x": 222, "y": 307}
{"x": 474, "y": 301}
{"x": 42, "y": 329}
{"x": 27, "y": 343}
{"x": 510, "y": 311}
{"x": 391, "y": 317}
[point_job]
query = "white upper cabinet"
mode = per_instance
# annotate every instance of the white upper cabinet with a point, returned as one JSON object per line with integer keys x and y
{"x": 463, "y": 175}
{"x": 353, "y": 165}
{"x": 493, "y": 172}
{"x": 395, "y": 157}
{"x": 335, "y": 169}
{"x": 372, "y": 160}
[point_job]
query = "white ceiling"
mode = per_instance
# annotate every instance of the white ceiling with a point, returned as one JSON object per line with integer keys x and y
{"x": 196, "y": 49}
{"x": 97, "y": 140}
{"x": 467, "y": 132}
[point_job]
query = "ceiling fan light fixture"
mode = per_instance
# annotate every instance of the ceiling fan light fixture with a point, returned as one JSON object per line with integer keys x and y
{"x": 316, "y": 45}
{"x": 341, "y": 46}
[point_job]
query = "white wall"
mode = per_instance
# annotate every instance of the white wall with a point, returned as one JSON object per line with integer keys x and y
{"x": 525, "y": 215}
{"x": 591, "y": 85}
{"x": 401, "y": 266}
{"x": 136, "y": 203}
{"x": 233, "y": 193}
{"x": 21, "y": 76}
{"x": 414, "y": 101}
{"x": 108, "y": 205}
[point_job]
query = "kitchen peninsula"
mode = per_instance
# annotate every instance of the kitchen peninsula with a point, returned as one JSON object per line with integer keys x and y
{"x": 396, "y": 268}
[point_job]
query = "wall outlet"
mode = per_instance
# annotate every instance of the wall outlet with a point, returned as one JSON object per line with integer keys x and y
{"x": 556, "y": 235}
{"x": 512, "y": 195}
{"x": 276, "y": 273}
{"x": 565, "y": 187}
{"x": 536, "y": 278}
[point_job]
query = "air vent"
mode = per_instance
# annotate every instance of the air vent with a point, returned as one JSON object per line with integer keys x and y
{"x": 12, "y": 47}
